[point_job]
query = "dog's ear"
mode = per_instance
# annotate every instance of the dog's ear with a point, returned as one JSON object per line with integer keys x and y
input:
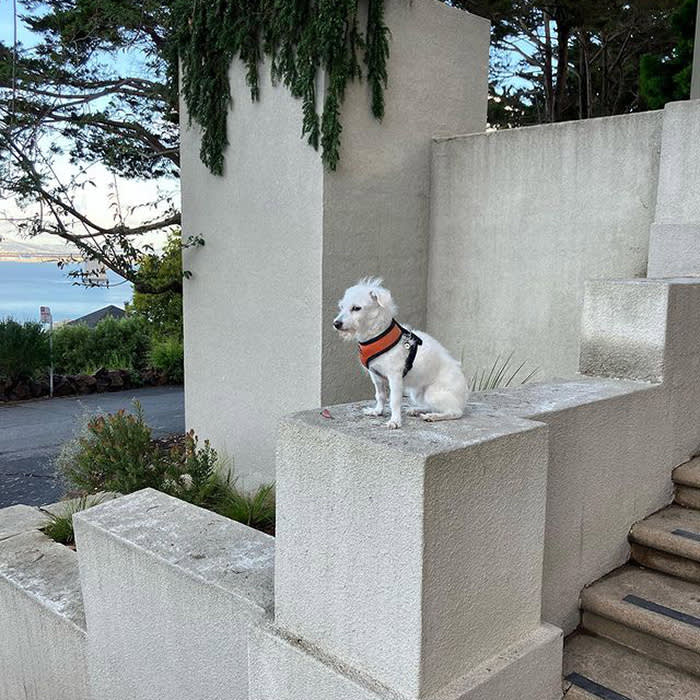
{"x": 382, "y": 297}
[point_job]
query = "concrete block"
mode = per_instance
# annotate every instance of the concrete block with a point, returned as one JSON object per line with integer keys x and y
{"x": 679, "y": 170}
{"x": 610, "y": 461}
{"x": 403, "y": 553}
{"x": 170, "y": 590}
{"x": 284, "y": 668}
{"x": 17, "y": 519}
{"x": 42, "y": 625}
{"x": 674, "y": 250}
{"x": 317, "y": 234}
{"x": 623, "y": 329}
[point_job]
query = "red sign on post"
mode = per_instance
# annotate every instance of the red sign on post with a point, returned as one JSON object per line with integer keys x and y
{"x": 45, "y": 312}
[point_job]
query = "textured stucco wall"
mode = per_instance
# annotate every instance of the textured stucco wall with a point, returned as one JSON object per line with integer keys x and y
{"x": 674, "y": 243}
{"x": 252, "y": 308}
{"x": 377, "y": 204}
{"x": 520, "y": 219}
{"x": 284, "y": 237}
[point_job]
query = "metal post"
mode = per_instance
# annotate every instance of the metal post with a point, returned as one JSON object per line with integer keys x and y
{"x": 51, "y": 358}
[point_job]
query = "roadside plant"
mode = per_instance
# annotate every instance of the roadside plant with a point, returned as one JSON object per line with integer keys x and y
{"x": 169, "y": 356}
{"x": 24, "y": 349}
{"x": 117, "y": 452}
{"x": 114, "y": 452}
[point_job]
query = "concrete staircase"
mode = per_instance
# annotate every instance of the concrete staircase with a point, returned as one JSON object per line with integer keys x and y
{"x": 640, "y": 631}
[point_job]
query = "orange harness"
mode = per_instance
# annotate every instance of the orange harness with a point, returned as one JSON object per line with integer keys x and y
{"x": 373, "y": 348}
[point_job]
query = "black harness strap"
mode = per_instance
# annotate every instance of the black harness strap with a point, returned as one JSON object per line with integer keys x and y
{"x": 410, "y": 341}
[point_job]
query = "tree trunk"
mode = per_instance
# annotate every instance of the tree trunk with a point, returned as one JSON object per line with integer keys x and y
{"x": 563, "y": 36}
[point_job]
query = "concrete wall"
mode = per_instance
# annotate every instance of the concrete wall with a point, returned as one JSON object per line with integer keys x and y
{"x": 520, "y": 219}
{"x": 613, "y": 443}
{"x": 252, "y": 307}
{"x": 170, "y": 591}
{"x": 284, "y": 237}
{"x": 43, "y": 645}
{"x": 674, "y": 244}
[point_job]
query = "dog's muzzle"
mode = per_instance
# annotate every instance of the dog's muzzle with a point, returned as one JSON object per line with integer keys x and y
{"x": 338, "y": 325}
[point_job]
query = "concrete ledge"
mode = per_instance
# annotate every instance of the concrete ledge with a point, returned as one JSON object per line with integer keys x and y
{"x": 403, "y": 552}
{"x": 610, "y": 462}
{"x": 42, "y": 625}
{"x": 17, "y": 519}
{"x": 284, "y": 668}
{"x": 170, "y": 590}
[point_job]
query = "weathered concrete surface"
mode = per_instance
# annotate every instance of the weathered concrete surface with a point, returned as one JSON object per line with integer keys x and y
{"x": 648, "y": 329}
{"x": 284, "y": 668}
{"x": 665, "y": 636}
{"x": 521, "y": 218}
{"x": 410, "y": 541}
{"x": 169, "y": 591}
{"x": 687, "y": 482}
{"x": 609, "y": 466}
{"x": 42, "y": 624}
{"x": 624, "y": 671}
{"x": 623, "y": 329}
{"x": 17, "y": 519}
{"x": 284, "y": 237}
{"x": 657, "y": 545}
{"x": 674, "y": 247}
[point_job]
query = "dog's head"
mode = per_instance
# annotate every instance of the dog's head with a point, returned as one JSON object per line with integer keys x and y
{"x": 365, "y": 310}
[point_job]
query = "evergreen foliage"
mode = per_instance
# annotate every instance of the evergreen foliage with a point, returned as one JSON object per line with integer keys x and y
{"x": 666, "y": 77}
{"x": 301, "y": 38}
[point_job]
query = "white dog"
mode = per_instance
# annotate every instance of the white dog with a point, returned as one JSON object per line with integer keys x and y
{"x": 406, "y": 361}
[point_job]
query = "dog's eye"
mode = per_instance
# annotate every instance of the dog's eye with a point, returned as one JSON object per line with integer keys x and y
{"x": 355, "y": 308}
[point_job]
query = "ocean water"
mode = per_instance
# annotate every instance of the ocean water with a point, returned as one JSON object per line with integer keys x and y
{"x": 25, "y": 286}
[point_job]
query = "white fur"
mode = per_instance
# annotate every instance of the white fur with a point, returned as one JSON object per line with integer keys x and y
{"x": 436, "y": 387}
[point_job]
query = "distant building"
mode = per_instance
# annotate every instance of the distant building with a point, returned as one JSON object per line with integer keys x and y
{"x": 92, "y": 319}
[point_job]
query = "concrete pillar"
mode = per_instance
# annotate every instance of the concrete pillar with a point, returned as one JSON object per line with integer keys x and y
{"x": 649, "y": 330}
{"x": 284, "y": 237}
{"x": 695, "y": 85}
{"x": 674, "y": 242}
{"x": 169, "y": 592}
{"x": 408, "y": 563}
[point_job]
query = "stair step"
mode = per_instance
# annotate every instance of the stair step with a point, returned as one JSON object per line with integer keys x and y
{"x": 687, "y": 481}
{"x": 669, "y": 541}
{"x": 607, "y": 670}
{"x": 652, "y": 613}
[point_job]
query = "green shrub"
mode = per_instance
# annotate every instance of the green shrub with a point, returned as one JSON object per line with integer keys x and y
{"x": 24, "y": 349}
{"x": 169, "y": 356}
{"x": 72, "y": 348}
{"x": 128, "y": 338}
{"x": 255, "y": 509}
{"x": 114, "y": 343}
{"x": 115, "y": 452}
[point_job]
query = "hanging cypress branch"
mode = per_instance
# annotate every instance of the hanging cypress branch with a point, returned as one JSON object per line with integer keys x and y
{"x": 300, "y": 37}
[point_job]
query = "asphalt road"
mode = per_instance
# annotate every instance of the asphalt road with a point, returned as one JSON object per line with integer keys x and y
{"x": 32, "y": 433}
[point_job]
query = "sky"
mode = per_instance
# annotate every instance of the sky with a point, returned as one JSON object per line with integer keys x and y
{"x": 95, "y": 202}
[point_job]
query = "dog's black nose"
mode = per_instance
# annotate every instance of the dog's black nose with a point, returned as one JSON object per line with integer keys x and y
{"x": 338, "y": 324}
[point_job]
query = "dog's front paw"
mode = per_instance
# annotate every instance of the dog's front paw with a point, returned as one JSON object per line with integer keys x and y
{"x": 373, "y": 411}
{"x": 393, "y": 424}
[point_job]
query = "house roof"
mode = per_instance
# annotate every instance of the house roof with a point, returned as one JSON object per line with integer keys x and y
{"x": 92, "y": 319}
